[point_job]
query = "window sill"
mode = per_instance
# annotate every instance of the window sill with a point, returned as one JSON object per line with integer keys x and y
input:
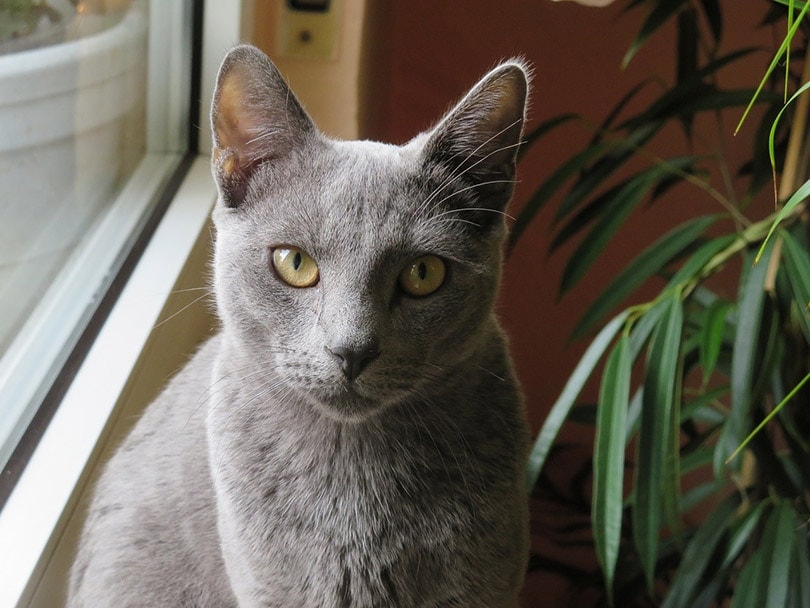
{"x": 37, "y": 514}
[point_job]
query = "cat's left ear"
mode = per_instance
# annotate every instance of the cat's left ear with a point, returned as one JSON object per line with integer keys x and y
{"x": 255, "y": 118}
{"x": 478, "y": 139}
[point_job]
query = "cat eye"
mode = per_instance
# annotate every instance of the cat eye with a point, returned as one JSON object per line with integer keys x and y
{"x": 295, "y": 266}
{"x": 422, "y": 276}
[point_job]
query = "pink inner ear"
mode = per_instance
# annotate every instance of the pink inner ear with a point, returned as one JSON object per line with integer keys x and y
{"x": 234, "y": 122}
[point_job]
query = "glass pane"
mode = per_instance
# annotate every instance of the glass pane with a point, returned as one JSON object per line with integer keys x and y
{"x": 76, "y": 172}
{"x": 70, "y": 118}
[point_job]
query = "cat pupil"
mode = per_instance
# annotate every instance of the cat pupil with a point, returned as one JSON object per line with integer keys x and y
{"x": 297, "y": 260}
{"x": 422, "y": 270}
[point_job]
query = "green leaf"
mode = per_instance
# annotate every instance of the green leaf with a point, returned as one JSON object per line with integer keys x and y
{"x": 647, "y": 264}
{"x": 760, "y": 164}
{"x": 573, "y": 387}
{"x": 775, "y": 124}
{"x": 712, "y": 334}
{"x": 699, "y": 409}
{"x": 595, "y": 242}
{"x": 617, "y": 152}
{"x": 655, "y": 441}
{"x": 699, "y": 261}
{"x": 718, "y": 99}
{"x": 800, "y": 572}
{"x": 742, "y": 532}
{"x": 644, "y": 326}
{"x": 796, "y": 199}
{"x": 795, "y": 3}
{"x": 608, "y": 473}
{"x": 660, "y": 14}
{"x": 605, "y": 128}
{"x": 707, "y": 598}
{"x": 751, "y": 300}
{"x": 791, "y": 9}
{"x": 770, "y": 416}
{"x": 555, "y": 181}
{"x": 797, "y": 268}
{"x": 687, "y": 55}
{"x": 726, "y": 444}
{"x": 598, "y": 207}
{"x": 696, "y": 556}
{"x": 774, "y": 62}
{"x": 675, "y": 101}
{"x": 696, "y": 459}
{"x": 750, "y": 590}
{"x": 542, "y": 129}
{"x": 698, "y": 494}
{"x": 613, "y": 212}
{"x": 714, "y": 17}
{"x": 776, "y": 546}
{"x": 633, "y": 410}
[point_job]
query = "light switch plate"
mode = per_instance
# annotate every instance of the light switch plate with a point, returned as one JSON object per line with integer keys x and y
{"x": 309, "y": 33}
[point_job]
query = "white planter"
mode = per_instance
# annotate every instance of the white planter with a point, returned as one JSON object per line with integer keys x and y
{"x": 64, "y": 142}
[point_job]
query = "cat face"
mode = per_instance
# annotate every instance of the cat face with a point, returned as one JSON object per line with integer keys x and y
{"x": 358, "y": 273}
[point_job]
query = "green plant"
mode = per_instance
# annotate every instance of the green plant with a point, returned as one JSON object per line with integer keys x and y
{"x": 21, "y": 18}
{"x": 694, "y": 385}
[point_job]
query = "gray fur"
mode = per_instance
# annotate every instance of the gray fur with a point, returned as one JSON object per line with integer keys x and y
{"x": 263, "y": 475}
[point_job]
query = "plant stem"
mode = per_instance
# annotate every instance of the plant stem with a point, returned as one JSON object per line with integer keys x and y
{"x": 768, "y": 418}
{"x": 790, "y": 173}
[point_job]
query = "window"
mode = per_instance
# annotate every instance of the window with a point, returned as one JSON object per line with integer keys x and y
{"x": 102, "y": 197}
{"x": 90, "y": 137}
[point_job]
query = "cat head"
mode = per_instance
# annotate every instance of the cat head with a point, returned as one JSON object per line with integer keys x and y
{"x": 358, "y": 273}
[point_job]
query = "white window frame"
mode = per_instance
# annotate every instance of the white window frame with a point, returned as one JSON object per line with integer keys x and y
{"x": 35, "y": 514}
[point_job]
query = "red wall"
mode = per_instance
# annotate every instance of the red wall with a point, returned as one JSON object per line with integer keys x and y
{"x": 432, "y": 52}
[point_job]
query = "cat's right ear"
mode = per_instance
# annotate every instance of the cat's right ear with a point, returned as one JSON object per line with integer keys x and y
{"x": 255, "y": 118}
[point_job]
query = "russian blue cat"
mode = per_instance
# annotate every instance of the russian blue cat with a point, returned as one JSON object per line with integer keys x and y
{"x": 354, "y": 436}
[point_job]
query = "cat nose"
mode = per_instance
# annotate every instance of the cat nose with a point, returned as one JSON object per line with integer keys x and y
{"x": 353, "y": 360}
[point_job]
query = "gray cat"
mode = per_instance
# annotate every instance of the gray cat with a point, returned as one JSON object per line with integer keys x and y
{"x": 354, "y": 436}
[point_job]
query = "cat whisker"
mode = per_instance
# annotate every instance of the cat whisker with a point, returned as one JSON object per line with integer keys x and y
{"x": 182, "y": 310}
{"x": 490, "y": 372}
{"x": 455, "y": 175}
{"x": 441, "y": 217}
{"x": 420, "y": 422}
{"x": 438, "y": 415}
{"x": 263, "y": 391}
{"x": 475, "y": 151}
{"x": 247, "y": 370}
{"x": 473, "y": 187}
{"x": 262, "y": 134}
{"x": 458, "y": 220}
{"x": 189, "y": 289}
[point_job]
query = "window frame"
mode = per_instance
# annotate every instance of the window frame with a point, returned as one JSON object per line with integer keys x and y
{"x": 44, "y": 498}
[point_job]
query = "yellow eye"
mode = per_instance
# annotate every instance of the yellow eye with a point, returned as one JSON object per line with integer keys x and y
{"x": 422, "y": 276}
{"x": 295, "y": 266}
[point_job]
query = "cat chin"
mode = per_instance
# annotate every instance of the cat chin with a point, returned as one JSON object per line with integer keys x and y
{"x": 349, "y": 413}
{"x": 347, "y": 404}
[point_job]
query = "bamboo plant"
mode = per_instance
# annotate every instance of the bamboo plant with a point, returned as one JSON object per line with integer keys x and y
{"x": 694, "y": 385}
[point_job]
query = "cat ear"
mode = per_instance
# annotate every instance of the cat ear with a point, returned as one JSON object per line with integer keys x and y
{"x": 478, "y": 139}
{"x": 254, "y": 118}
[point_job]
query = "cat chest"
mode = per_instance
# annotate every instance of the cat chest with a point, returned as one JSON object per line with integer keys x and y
{"x": 350, "y": 505}
{"x": 357, "y": 537}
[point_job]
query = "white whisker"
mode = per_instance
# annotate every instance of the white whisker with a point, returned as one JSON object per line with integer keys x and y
{"x": 455, "y": 175}
{"x": 182, "y": 310}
